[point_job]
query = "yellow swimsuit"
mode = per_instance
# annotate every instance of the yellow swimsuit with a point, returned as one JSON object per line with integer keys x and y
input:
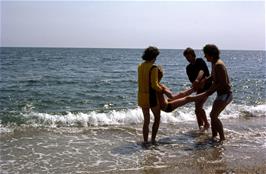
{"x": 144, "y": 83}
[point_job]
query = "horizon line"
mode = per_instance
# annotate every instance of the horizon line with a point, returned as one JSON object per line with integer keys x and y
{"x": 121, "y": 48}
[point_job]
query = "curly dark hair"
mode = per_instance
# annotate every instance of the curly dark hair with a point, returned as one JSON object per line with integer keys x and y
{"x": 150, "y": 53}
{"x": 189, "y": 51}
{"x": 212, "y": 50}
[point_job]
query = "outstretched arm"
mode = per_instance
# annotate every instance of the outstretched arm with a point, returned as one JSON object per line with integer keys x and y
{"x": 167, "y": 91}
{"x": 184, "y": 100}
{"x": 183, "y": 94}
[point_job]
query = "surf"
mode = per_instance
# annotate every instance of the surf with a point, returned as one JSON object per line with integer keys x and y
{"x": 127, "y": 117}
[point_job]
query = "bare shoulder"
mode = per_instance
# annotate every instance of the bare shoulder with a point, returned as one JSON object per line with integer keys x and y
{"x": 219, "y": 64}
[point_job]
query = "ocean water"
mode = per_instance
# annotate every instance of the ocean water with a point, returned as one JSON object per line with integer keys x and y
{"x": 69, "y": 109}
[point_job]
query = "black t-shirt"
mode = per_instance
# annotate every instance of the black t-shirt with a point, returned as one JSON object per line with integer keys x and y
{"x": 193, "y": 70}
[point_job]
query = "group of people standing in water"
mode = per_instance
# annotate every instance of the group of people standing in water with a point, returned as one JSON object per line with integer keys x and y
{"x": 157, "y": 97}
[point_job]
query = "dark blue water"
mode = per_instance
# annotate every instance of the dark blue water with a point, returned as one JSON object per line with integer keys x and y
{"x": 71, "y": 80}
{"x": 66, "y": 110}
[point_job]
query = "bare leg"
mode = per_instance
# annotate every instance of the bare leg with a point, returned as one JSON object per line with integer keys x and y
{"x": 217, "y": 126}
{"x": 184, "y": 100}
{"x": 145, "y": 130}
{"x": 179, "y": 101}
{"x": 200, "y": 113}
{"x": 162, "y": 101}
{"x": 183, "y": 94}
{"x": 157, "y": 116}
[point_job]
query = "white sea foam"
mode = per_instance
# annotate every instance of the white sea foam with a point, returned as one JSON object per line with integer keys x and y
{"x": 259, "y": 110}
{"x": 135, "y": 116}
{"x": 5, "y": 129}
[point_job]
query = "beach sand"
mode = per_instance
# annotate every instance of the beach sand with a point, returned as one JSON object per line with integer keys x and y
{"x": 117, "y": 149}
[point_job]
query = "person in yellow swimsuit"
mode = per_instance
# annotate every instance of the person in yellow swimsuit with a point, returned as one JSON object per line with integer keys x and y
{"x": 148, "y": 90}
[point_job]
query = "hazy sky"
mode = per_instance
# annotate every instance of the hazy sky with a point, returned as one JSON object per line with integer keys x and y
{"x": 133, "y": 24}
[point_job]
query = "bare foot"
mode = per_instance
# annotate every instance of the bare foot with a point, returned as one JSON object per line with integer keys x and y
{"x": 206, "y": 126}
{"x": 216, "y": 140}
{"x": 201, "y": 129}
{"x": 154, "y": 143}
{"x": 145, "y": 145}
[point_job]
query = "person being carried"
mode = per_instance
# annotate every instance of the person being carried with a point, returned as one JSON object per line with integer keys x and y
{"x": 197, "y": 71}
{"x": 174, "y": 100}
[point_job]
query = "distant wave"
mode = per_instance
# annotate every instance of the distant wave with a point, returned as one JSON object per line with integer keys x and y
{"x": 130, "y": 116}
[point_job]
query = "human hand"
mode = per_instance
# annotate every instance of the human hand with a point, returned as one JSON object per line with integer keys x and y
{"x": 195, "y": 85}
{"x": 201, "y": 96}
{"x": 168, "y": 93}
{"x": 202, "y": 83}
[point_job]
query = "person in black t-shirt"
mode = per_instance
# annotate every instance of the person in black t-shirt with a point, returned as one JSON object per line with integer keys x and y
{"x": 197, "y": 71}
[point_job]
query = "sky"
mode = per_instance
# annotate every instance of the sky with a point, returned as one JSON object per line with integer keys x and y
{"x": 232, "y": 25}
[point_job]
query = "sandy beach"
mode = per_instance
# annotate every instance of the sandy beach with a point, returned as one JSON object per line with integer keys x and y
{"x": 118, "y": 149}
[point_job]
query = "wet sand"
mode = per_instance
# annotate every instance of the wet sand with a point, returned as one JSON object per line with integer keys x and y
{"x": 118, "y": 149}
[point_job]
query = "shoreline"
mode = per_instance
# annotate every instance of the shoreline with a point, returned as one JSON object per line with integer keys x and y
{"x": 117, "y": 149}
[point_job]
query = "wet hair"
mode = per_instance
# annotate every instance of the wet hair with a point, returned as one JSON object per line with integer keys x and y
{"x": 150, "y": 53}
{"x": 189, "y": 51}
{"x": 212, "y": 50}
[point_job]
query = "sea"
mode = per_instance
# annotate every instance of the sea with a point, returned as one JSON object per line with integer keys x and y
{"x": 74, "y": 110}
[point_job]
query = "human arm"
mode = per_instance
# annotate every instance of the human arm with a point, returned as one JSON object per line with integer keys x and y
{"x": 167, "y": 91}
{"x": 197, "y": 81}
{"x": 203, "y": 72}
{"x": 154, "y": 80}
{"x": 182, "y": 94}
{"x": 197, "y": 97}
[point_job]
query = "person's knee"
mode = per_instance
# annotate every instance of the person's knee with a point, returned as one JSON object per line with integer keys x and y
{"x": 199, "y": 104}
{"x": 198, "y": 109}
{"x": 213, "y": 116}
{"x": 146, "y": 119}
{"x": 156, "y": 112}
{"x": 157, "y": 118}
{"x": 214, "y": 120}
